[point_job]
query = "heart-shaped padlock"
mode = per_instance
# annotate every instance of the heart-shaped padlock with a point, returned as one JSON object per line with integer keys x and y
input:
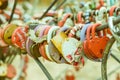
{"x": 96, "y": 49}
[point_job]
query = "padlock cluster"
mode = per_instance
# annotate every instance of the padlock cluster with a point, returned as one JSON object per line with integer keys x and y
{"x": 63, "y": 42}
{"x": 61, "y": 36}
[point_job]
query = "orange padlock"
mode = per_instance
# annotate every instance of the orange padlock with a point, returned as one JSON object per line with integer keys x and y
{"x": 97, "y": 44}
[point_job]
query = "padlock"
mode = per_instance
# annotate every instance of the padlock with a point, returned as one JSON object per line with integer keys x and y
{"x": 42, "y": 45}
{"x": 69, "y": 47}
{"x": 42, "y": 51}
{"x": 55, "y": 54}
{"x": 58, "y": 40}
{"x": 11, "y": 71}
{"x": 55, "y": 43}
{"x": 28, "y": 44}
{"x": 34, "y": 50}
{"x": 3, "y": 4}
{"x": 19, "y": 37}
{"x": 7, "y": 33}
{"x": 96, "y": 49}
{"x": 49, "y": 36}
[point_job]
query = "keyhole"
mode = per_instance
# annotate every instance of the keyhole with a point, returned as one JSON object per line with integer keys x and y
{"x": 9, "y": 37}
{"x": 60, "y": 57}
{"x": 101, "y": 51}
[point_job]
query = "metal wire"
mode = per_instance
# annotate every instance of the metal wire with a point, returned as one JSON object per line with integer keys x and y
{"x": 43, "y": 69}
{"x": 13, "y": 9}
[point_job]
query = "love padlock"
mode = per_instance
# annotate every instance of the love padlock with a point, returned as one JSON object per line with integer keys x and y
{"x": 42, "y": 48}
{"x": 47, "y": 52}
{"x": 55, "y": 54}
{"x": 96, "y": 49}
{"x": 19, "y": 37}
{"x": 55, "y": 47}
{"x": 7, "y": 33}
{"x": 69, "y": 48}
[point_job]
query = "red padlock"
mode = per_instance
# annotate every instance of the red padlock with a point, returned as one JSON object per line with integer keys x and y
{"x": 19, "y": 37}
{"x": 97, "y": 44}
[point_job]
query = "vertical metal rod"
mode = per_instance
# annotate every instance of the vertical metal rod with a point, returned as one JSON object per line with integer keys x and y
{"x": 105, "y": 58}
{"x": 55, "y": 1}
{"x": 13, "y": 9}
{"x": 43, "y": 69}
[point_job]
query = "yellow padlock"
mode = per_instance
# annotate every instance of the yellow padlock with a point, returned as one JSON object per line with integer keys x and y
{"x": 58, "y": 40}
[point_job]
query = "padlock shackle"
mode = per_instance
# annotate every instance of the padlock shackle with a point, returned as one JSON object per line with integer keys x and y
{"x": 88, "y": 32}
{"x": 101, "y": 2}
{"x": 94, "y": 29}
{"x": 79, "y": 17}
{"x": 62, "y": 22}
{"x": 67, "y": 15}
{"x": 46, "y": 30}
{"x": 111, "y": 25}
{"x": 41, "y": 33}
{"x": 112, "y": 10}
